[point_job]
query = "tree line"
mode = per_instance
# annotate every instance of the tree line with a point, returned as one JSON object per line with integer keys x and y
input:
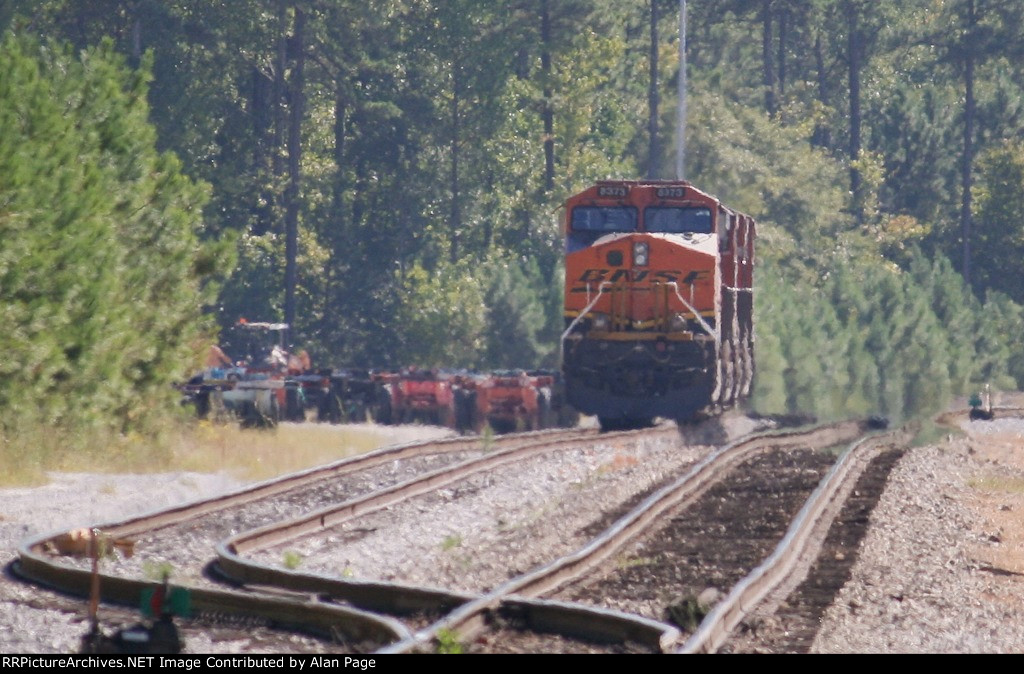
{"x": 387, "y": 175}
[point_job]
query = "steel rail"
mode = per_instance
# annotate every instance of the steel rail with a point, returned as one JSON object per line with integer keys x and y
{"x": 394, "y": 598}
{"x": 35, "y": 564}
{"x": 569, "y": 619}
{"x": 793, "y": 550}
{"x": 470, "y": 619}
{"x": 590, "y": 623}
{"x": 328, "y": 621}
{"x": 164, "y": 517}
{"x": 386, "y": 597}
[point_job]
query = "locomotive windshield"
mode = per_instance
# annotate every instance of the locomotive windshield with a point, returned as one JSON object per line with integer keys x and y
{"x": 604, "y": 219}
{"x": 675, "y": 220}
{"x": 590, "y": 223}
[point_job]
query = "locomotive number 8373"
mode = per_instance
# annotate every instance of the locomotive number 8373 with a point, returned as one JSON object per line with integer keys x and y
{"x": 658, "y": 303}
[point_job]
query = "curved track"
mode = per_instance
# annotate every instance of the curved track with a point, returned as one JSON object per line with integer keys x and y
{"x": 358, "y": 614}
{"x": 601, "y": 623}
{"x": 39, "y": 559}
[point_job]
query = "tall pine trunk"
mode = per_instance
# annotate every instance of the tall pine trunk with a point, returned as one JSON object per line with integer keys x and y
{"x": 653, "y": 100}
{"x": 766, "y": 57}
{"x": 853, "y": 53}
{"x": 968, "y": 155}
{"x": 456, "y": 212}
{"x": 549, "y": 113}
{"x": 296, "y": 95}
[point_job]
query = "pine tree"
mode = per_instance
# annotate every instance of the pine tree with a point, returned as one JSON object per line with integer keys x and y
{"x": 101, "y": 268}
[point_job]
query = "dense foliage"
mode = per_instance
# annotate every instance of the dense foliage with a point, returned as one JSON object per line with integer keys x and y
{"x": 391, "y": 173}
{"x": 100, "y": 264}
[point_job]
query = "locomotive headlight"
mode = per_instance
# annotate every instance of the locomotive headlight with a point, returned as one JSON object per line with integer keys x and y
{"x": 678, "y": 323}
{"x": 600, "y": 322}
{"x": 640, "y": 254}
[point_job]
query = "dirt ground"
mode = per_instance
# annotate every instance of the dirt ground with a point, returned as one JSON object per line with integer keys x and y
{"x": 997, "y": 498}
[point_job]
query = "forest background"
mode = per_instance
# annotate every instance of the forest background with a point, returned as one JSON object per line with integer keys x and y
{"x": 387, "y": 177}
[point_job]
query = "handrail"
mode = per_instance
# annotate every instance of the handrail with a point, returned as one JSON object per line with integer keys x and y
{"x": 586, "y": 310}
{"x": 696, "y": 314}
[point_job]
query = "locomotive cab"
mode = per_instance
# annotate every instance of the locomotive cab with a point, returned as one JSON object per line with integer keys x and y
{"x": 652, "y": 330}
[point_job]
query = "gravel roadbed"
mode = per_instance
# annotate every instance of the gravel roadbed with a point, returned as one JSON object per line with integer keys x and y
{"x": 924, "y": 582}
{"x": 185, "y": 549}
{"x": 941, "y": 570}
{"x": 478, "y": 532}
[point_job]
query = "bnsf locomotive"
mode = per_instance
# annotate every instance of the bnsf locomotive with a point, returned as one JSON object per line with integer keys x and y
{"x": 658, "y": 302}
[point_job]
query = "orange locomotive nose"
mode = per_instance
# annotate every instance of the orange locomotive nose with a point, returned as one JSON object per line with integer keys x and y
{"x": 676, "y": 279}
{"x": 658, "y": 302}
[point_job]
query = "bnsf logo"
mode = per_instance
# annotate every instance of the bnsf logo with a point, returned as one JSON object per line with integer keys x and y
{"x": 639, "y": 275}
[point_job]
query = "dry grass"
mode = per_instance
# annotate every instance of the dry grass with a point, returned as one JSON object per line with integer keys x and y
{"x": 996, "y": 484}
{"x": 262, "y": 454}
{"x": 28, "y": 455}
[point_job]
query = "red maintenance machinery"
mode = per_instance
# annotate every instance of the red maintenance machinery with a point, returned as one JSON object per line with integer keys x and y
{"x": 415, "y": 395}
{"x": 659, "y": 317}
{"x": 510, "y": 401}
{"x": 267, "y": 384}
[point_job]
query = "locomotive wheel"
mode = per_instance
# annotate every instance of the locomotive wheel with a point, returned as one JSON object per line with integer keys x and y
{"x": 271, "y": 417}
{"x": 480, "y": 422}
{"x": 568, "y": 417}
{"x": 502, "y": 426}
{"x": 356, "y": 413}
{"x": 248, "y": 415}
{"x": 330, "y": 408}
{"x": 748, "y": 352}
{"x": 465, "y": 406}
{"x": 218, "y": 412}
{"x": 294, "y": 406}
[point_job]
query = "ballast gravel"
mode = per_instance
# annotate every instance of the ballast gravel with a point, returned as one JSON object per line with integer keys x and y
{"x": 941, "y": 569}
{"x": 480, "y": 531}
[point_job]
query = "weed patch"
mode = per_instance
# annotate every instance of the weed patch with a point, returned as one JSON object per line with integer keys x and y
{"x": 292, "y": 559}
{"x": 159, "y": 571}
{"x": 448, "y": 642}
{"x": 1006, "y": 485}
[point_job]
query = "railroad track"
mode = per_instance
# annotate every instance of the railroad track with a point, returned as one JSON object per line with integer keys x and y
{"x": 395, "y": 514}
{"x": 789, "y": 624}
{"x": 509, "y": 605}
{"x": 189, "y": 533}
{"x": 359, "y": 614}
{"x": 787, "y": 621}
